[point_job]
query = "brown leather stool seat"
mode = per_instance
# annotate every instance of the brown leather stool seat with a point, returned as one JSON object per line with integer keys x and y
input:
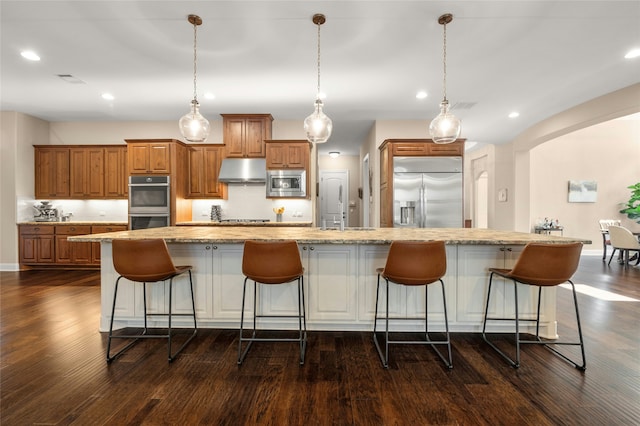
{"x": 272, "y": 263}
{"x": 541, "y": 265}
{"x": 413, "y": 263}
{"x": 148, "y": 261}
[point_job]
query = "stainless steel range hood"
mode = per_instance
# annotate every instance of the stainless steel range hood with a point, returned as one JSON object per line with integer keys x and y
{"x": 243, "y": 170}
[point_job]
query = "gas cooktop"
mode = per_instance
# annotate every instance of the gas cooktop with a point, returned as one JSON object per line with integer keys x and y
{"x": 245, "y": 220}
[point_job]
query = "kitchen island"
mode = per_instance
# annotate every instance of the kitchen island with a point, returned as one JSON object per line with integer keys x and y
{"x": 340, "y": 277}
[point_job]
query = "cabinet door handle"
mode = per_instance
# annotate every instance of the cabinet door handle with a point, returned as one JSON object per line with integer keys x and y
{"x": 207, "y": 248}
{"x": 311, "y": 248}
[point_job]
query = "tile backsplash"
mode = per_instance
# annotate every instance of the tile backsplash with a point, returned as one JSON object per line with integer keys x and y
{"x": 86, "y": 210}
{"x": 249, "y": 202}
{"x": 244, "y": 202}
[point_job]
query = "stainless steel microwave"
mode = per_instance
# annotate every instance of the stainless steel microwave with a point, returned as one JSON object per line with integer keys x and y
{"x": 287, "y": 183}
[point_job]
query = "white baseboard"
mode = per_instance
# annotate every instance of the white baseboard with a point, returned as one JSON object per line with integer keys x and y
{"x": 7, "y": 267}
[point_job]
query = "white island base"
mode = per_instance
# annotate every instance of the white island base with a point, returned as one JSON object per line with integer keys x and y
{"x": 340, "y": 289}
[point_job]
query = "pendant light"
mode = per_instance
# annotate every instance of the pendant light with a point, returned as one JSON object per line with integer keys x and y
{"x": 193, "y": 126}
{"x": 317, "y": 125}
{"x": 445, "y": 128}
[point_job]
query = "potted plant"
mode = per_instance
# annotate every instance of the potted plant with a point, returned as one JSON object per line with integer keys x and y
{"x": 632, "y": 207}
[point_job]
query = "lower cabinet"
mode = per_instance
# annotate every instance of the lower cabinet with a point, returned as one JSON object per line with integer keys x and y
{"x": 36, "y": 244}
{"x": 340, "y": 290}
{"x": 72, "y": 253}
{"x": 46, "y": 245}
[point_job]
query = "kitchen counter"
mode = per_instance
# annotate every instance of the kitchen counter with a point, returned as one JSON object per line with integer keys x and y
{"x": 269, "y": 224}
{"x": 308, "y": 235}
{"x": 77, "y": 222}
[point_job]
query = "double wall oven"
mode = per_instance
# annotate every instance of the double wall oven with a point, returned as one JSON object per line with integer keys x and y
{"x": 149, "y": 202}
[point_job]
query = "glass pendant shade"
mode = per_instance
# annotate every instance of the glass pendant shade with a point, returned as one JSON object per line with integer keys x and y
{"x": 317, "y": 125}
{"x": 193, "y": 126}
{"x": 445, "y": 128}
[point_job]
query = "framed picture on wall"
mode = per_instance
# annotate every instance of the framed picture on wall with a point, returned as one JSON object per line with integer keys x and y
{"x": 583, "y": 191}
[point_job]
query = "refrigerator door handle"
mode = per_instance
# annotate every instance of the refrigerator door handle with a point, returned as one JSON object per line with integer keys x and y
{"x": 423, "y": 206}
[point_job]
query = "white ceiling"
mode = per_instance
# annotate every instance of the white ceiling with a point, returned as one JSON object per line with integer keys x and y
{"x": 535, "y": 57}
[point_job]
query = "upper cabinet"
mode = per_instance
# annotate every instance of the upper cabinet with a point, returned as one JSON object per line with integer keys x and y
{"x": 204, "y": 167}
{"x": 87, "y": 172}
{"x": 52, "y": 172}
{"x": 288, "y": 154}
{"x": 244, "y": 134}
{"x": 115, "y": 172}
{"x": 80, "y": 171}
{"x": 424, "y": 147}
{"x": 149, "y": 157}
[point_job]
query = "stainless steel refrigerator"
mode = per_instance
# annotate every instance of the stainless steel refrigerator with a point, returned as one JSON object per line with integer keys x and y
{"x": 427, "y": 192}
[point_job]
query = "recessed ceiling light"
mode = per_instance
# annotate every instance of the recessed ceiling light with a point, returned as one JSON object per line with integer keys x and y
{"x": 334, "y": 154}
{"x": 107, "y": 96}
{"x": 421, "y": 95}
{"x": 30, "y": 55}
{"x": 209, "y": 95}
{"x": 514, "y": 114}
{"x": 633, "y": 53}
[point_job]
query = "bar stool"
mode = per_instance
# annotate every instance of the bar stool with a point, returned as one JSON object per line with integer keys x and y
{"x": 270, "y": 263}
{"x": 541, "y": 265}
{"x": 417, "y": 263}
{"x": 148, "y": 261}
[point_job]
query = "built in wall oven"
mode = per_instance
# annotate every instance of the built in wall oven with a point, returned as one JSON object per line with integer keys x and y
{"x": 149, "y": 202}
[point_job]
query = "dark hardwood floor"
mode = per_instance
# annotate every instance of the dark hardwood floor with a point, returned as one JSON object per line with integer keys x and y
{"x": 53, "y": 369}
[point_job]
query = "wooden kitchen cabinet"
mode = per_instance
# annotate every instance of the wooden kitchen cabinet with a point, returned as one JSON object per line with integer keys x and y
{"x": 204, "y": 168}
{"x": 116, "y": 184}
{"x": 52, "y": 172}
{"x": 244, "y": 134}
{"x": 80, "y": 171}
{"x": 391, "y": 148}
{"x": 101, "y": 229}
{"x": 288, "y": 154}
{"x": 46, "y": 246}
{"x": 149, "y": 157}
{"x": 424, "y": 147}
{"x": 76, "y": 253}
{"x": 36, "y": 244}
{"x": 87, "y": 172}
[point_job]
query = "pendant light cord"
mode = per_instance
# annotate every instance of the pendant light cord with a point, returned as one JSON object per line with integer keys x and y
{"x": 195, "y": 60}
{"x": 444, "y": 63}
{"x": 318, "y": 92}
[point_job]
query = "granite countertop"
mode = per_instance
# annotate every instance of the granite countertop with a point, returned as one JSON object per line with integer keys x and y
{"x": 242, "y": 224}
{"x": 77, "y": 222}
{"x": 304, "y": 235}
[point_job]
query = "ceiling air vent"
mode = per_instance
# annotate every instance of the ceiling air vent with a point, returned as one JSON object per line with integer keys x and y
{"x": 70, "y": 79}
{"x": 463, "y": 105}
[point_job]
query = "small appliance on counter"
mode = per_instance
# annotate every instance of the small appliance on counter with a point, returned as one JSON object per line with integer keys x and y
{"x": 46, "y": 212}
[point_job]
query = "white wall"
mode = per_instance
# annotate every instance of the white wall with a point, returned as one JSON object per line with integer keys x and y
{"x": 608, "y": 153}
{"x": 19, "y": 132}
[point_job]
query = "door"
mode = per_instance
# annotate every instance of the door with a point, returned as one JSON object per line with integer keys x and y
{"x": 334, "y": 197}
{"x": 442, "y": 200}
